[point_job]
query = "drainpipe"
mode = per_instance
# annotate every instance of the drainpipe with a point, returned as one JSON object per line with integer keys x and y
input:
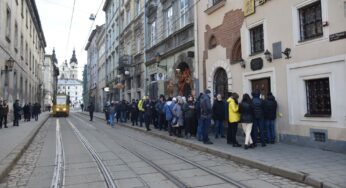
{"x": 145, "y": 47}
{"x": 196, "y": 49}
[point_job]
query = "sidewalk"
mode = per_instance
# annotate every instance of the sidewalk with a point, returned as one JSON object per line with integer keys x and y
{"x": 15, "y": 140}
{"x": 312, "y": 166}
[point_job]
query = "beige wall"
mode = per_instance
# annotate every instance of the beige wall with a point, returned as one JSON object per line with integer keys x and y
{"x": 310, "y": 59}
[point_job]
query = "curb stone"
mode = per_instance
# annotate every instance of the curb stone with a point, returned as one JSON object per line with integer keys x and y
{"x": 290, "y": 174}
{"x": 11, "y": 159}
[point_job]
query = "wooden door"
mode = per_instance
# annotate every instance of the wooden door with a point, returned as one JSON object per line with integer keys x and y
{"x": 263, "y": 85}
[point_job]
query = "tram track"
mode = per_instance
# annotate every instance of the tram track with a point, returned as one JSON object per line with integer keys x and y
{"x": 164, "y": 172}
{"x": 102, "y": 167}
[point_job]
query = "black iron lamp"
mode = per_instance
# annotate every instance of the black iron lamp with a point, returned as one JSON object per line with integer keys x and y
{"x": 268, "y": 55}
{"x": 8, "y": 65}
{"x": 287, "y": 53}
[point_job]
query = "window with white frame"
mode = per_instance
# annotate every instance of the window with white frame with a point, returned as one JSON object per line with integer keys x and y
{"x": 169, "y": 21}
{"x": 310, "y": 21}
{"x": 183, "y": 12}
{"x": 318, "y": 98}
{"x": 8, "y": 24}
{"x": 153, "y": 33}
{"x": 257, "y": 39}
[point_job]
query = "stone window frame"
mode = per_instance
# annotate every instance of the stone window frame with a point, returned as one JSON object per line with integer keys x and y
{"x": 296, "y": 22}
{"x": 169, "y": 22}
{"x": 254, "y": 32}
{"x": 317, "y": 21}
{"x": 325, "y": 95}
{"x": 248, "y": 40}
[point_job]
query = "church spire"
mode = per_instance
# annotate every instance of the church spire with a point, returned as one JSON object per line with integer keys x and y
{"x": 73, "y": 58}
{"x": 54, "y": 57}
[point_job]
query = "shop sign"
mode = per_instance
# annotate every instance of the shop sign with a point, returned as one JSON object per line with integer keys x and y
{"x": 337, "y": 36}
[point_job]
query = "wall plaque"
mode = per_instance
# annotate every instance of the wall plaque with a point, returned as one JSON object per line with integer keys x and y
{"x": 337, "y": 36}
{"x": 256, "y": 64}
{"x": 249, "y": 7}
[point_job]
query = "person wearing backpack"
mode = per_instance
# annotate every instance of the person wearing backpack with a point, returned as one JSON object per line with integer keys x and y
{"x": 270, "y": 106}
{"x": 206, "y": 113}
{"x": 258, "y": 118}
{"x": 168, "y": 108}
{"x": 160, "y": 112}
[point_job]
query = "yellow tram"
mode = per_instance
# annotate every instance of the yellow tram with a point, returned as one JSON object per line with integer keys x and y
{"x": 62, "y": 105}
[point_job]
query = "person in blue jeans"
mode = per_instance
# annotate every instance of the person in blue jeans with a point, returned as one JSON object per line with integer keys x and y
{"x": 206, "y": 113}
{"x": 258, "y": 118}
{"x": 270, "y": 107}
{"x": 111, "y": 111}
{"x": 219, "y": 116}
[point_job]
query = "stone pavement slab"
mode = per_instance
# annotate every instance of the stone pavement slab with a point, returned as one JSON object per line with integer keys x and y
{"x": 315, "y": 167}
{"x": 15, "y": 140}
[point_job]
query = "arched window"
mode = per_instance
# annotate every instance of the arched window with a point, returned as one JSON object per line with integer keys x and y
{"x": 212, "y": 42}
{"x": 236, "y": 52}
{"x": 221, "y": 82}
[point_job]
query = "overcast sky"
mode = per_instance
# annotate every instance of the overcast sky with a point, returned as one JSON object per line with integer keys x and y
{"x": 55, "y": 18}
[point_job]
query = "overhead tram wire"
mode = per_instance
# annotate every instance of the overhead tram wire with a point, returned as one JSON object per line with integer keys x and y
{"x": 92, "y": 25}
{"x": 69, "y": 31}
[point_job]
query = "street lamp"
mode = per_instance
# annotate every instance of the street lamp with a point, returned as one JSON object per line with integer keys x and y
{"x": 268, "y": 55}
{"x": 8, "y": 67}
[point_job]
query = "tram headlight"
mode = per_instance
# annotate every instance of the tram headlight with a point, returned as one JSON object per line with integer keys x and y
{"x": 57, "y": 109}
{"x": 64, "y": 109}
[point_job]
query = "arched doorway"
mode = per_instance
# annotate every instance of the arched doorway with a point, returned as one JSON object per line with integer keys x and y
{"x": 221, "y": 82}
{"x": 183, "y": 75}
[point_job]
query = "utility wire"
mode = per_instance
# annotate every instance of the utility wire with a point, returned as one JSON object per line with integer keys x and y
{"x": 92, "y": 25}
{"x": 69, "y": 31}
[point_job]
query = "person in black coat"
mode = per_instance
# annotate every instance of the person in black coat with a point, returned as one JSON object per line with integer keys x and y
{"x": 258, "y": 121}
{"x": 91, "y": 109}
{"x": 219, "y": 116}
{"x": 35, "y": 111}
{"x": 2, "y": 112}
{"x": 134, "y": 112}
{"x": 16, "y": 113}
{"x": 159, "y": 107}
{"x": 189, "y": 116}
{"x": 246, "y": 119}
{"x": 148, "y": 108}
{"x": 270, "y": 107}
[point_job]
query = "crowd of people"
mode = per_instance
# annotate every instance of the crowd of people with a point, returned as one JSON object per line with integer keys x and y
{"x": 29, "y": 111}
{"x": 189, "y": 117}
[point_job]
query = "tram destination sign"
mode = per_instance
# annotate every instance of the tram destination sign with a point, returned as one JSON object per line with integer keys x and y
{"x": 337, "y": 36}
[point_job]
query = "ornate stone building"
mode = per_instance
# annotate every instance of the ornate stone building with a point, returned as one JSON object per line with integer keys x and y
{"x": 169, "y": 48}
{"x": 22, "y": 43}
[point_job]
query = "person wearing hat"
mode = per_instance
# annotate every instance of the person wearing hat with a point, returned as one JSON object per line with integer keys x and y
{"x": 206, "y": 113}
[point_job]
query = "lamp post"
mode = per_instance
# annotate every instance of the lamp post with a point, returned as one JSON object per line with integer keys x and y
{"x": 8, "y": 67}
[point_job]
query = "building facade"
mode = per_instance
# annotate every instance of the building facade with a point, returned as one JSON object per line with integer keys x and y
{"x": 49, "y": 68}
{"x": 96, "y": 67}
{"x": 73, "y": 88}
{"x": 68, "y": 82}
{"x": 22, "y": 42}
{"x": 295, "y": 49}
{"x": 124, "y": 49}
{"x": 169, "y": 48}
